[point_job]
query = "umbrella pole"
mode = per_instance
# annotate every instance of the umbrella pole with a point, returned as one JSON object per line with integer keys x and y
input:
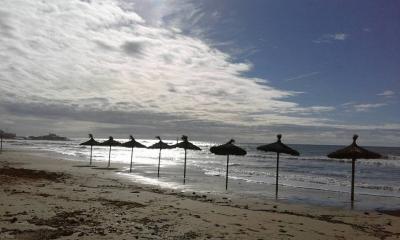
{"x": 91, "y": 149}
{"x": 353, "y": 165}
{"x": 227, "y": 171}
{"x": 277, "y": 175}
{"x": 1, "y": 143}
{"x": 184, "y": 170}
{"x": 109, "y": 157}
{"x": 130, "y": 168}
{"x": 159, "y": 160}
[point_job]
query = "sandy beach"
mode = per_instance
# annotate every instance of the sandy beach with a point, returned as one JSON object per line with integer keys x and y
{"x": 46, "y": 197}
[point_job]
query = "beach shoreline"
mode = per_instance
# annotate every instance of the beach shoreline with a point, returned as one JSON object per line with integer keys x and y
{"x": 65, "y": 202}
{"x": 311, "y": 179}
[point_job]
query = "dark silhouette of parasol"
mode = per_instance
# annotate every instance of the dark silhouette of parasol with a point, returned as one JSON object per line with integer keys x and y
{"x": 132, "y": 144}
{"x": 228, "y": 149}
{"x": 110, "y": 142}
{"x": 1, "y": 142}
{"x": 91, "y": 142}
{"x": 279, "y": 148}
{"x": 186, "y": 145}
{"x": 353, "y": 152}
{"x": 160, "y": 145}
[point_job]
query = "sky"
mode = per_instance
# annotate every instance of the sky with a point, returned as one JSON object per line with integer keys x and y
{"x": 315, "y": 71}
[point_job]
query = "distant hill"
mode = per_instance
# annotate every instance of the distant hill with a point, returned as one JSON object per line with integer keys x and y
{"x": 7, "y": 135}
{"x": 50, "y": 137}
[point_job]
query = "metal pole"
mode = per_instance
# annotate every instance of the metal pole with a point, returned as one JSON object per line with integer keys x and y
{"x": 353, "y": 165}
{"x": 227, "y": 170}
{"x": 159, "y": 160}
{"x": 130, "y": 168}
{"x": 91, "y": 149}
{"x": 1, "y": 143}
{"x": 277, "y": 175}
{"x": 109, "y": 157}
{"x": 184, "y": 170}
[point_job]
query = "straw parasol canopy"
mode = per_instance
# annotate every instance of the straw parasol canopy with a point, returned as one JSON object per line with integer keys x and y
{"x": 132, "y": 144}
{"x": 278, "y": 147}
{"x": 110, "y": 142}
{"x": 186, "y": 145}
{"x": 91, "y": 142}
{"x": 160, "y": 145}
{"x": 228, "y": 149}
{"x": 353, "y": 152}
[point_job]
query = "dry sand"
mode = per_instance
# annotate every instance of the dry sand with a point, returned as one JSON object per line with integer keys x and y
{"x": 45, "y": 197}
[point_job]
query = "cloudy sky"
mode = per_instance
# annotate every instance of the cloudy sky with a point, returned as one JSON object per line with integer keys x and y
{"x": 315, "y": 71}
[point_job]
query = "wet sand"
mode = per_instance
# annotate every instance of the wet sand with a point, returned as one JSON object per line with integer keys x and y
{"x": 45, "y": 197}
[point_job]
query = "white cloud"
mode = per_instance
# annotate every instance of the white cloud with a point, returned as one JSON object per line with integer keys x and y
{"x": 362, "y": 107}
{"x": 302, "y": 76}
{"x": 103, "y": 56}
{"x": 339, "y": 36}
{"x": 387, "y": 93}
{"x": 368, "y": 106}
{"x": 348, "y": 104}
{"x": 329, "y": 38}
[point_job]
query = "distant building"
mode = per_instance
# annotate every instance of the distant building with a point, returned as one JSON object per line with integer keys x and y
{"x": 7, "y": 135}
{"x": 50, "y": 137}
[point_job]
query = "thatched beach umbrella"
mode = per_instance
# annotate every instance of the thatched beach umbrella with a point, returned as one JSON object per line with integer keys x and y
{"x": 110, "y": 142}
{"x": 160, "y": 145}
{"x": 132, "y": 144}
{"x": 353, "y": 152}
{"x": 186, "y": 145}
{"x": 279, "y": 148}
{"x": 91, "y": 142}
{"x": 228, "y": 149}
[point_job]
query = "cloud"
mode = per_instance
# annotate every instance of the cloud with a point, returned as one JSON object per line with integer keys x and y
{"x": 368, "y": 106}
{"x": 5, "y": 28}
{"x": 340, "y": 36}
{"x": 348, "y": 104}
{"x": 362, "y": 107}
{"x": 329, "y": 38}
{"x": 387, "y": 93}
{"x": 65, "y": 119}
{"x": 100, "y": 56}
{"x": 133, "y": 48}
{"x": 135, "y": 67}
{"x": 301, "y": 76}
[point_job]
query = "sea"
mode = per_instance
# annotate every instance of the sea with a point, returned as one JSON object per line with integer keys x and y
{"x": 311, "y": 178}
